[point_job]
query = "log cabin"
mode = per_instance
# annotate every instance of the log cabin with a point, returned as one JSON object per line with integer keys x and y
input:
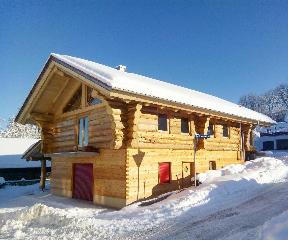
{"x": 116, "y": 137}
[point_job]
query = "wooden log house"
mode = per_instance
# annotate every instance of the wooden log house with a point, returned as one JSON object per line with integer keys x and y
{"x": 115, "y": 137}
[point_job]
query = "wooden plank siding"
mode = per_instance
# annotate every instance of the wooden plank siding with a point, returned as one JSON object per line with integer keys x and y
{"x": 153, "y": 147}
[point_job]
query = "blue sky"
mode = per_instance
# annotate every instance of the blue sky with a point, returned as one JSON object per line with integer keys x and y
{"x": 225, "y": 48}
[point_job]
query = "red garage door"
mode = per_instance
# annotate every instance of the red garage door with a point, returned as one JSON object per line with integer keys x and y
{"x": 83, "y": 181}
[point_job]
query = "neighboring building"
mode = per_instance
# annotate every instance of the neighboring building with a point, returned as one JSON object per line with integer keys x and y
{"x": 115, "y": 137}
{"x": 12, "y": 166}
{"x": 273, "y": 138}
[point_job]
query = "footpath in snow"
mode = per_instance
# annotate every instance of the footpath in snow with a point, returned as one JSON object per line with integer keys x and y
{"x": 247, "y": 201}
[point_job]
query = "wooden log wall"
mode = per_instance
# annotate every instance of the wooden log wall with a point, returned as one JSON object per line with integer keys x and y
{"x": 154, "y": 147}
{"x": 109, "y": 176}
{"x": 62, "y": 135}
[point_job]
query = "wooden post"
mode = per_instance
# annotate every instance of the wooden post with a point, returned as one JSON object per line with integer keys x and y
{"x": 195, "y": 149}
{"x": 43, "y": 174}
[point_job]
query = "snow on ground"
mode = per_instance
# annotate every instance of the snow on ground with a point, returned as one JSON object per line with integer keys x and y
{"x": 276, "y": 228}
{"x": 11, "y": 151}
{"x": 236, "y": 202}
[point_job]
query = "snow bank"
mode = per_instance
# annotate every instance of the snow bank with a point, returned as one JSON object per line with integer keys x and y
{"x": 261, "y": 165}
{"x": 11, "y": 150}
{"x": 226, "y": 187}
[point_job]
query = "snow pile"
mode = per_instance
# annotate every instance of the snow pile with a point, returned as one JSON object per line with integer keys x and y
{"x": 265, "y": 165}
{"x": 11, "y": 150}
{"x": 2, "y": 181}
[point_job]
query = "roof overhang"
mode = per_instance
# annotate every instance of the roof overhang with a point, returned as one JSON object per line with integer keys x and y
{"x": 53, "y": 64}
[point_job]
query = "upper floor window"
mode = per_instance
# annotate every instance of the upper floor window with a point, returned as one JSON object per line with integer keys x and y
{"x": 162, "y": 122}
{"x": 225, "y": 130}
{"x": 83, "y": 132}
{"x": 91, "y": 98}
{"x": 210, "y": 129}
{"x": 184, "y": 125}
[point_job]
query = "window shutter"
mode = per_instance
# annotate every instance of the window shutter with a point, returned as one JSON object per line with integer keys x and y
{"x": 164, "y": 172}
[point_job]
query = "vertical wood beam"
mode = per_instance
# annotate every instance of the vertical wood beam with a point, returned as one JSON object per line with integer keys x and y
{"x": 43, "y": 174}
{"x": 83, "y": 97}
{"x": 133, "y": 128}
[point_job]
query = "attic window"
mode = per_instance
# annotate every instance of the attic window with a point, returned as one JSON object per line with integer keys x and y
{"x": 75, "y": 101}
{"x": 91, "y": 99}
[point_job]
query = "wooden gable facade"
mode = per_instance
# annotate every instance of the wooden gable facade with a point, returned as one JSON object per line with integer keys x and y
{"x": 137, "y": 147}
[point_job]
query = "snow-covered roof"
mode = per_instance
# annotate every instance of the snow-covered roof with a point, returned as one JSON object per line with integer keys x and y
{"x": 11, "y": 151}
{"x": 112, "y": 78}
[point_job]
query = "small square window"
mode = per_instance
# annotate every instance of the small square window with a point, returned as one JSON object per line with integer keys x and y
{"x": 184, "y": 125}
{"x": 162, "y": 122}
{"x": 212, "y": 165}
{"x": 164, "y": 172}
{"x": 225, "y": 131}
{"x": 210, "y": 129}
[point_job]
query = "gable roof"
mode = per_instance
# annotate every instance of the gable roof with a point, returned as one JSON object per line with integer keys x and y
{"x": 113, "y": 79}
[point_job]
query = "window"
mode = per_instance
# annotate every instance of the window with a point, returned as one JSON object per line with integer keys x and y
{"x": 164, "y": 172}
{"x": 268, "y": 145}
{"x": 75, "y": 101}
{"x": 91, "y": 99}
{"x": 184, "y": 125}
{"x": 225, "y": 131}
{"x": 83, "y": 132}
{"x": 212, "y": 165}
{"x": 282, "y": 144}
{"x": 210, "y": 129}
{"x": 162, "y": 122}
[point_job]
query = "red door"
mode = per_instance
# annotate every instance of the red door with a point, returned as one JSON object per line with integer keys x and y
{"x": 164, "y": 172}
{"x": 83, "y": 181}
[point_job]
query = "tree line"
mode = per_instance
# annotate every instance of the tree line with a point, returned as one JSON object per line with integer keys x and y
{"x": 273, "y": 103}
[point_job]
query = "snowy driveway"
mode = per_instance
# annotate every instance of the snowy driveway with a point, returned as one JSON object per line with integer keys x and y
{"x": 244, "y": 221}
